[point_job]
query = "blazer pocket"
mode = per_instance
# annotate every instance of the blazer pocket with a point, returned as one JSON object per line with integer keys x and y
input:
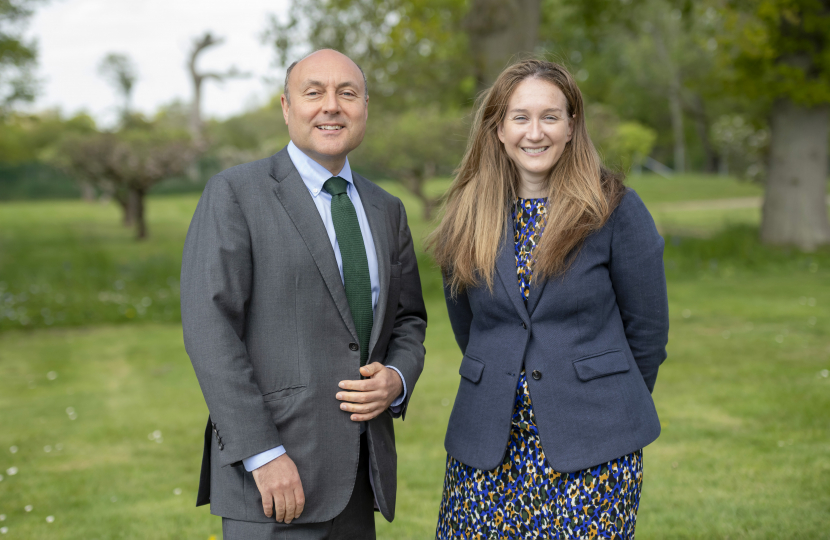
{"x": 471, "y": 369}
{"x": 601, "y": 365}
{"x": 395, "y": 270}
{"x": 283, "y": 393}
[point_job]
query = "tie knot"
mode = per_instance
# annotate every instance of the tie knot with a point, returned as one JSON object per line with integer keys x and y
{"x": 335, "y": 186}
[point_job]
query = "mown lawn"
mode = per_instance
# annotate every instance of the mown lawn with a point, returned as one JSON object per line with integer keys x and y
{"x": 100, "y": 403}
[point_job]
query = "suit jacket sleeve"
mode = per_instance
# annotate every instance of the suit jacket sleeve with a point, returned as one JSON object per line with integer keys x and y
{"x": 406, "y": 343}
{"x": 215, "y": 290}
{"x": 639, "y": 283}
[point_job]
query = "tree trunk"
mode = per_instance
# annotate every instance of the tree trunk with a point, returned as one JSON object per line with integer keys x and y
{"x": 137, "y": 202}
{"x": 795, "y": 202}
{"x": 123, "y": 200}
{"x": 499, "y": 30}
{"x": 675, "y": 88}
{"x": 415, "y": 185}
{"x": 702, "y": 124}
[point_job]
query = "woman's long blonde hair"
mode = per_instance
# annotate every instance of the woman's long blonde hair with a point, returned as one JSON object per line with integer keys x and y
{"x": 581, "y": 192}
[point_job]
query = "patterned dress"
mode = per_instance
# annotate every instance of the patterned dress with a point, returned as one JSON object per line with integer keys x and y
{"x": 524, "y": 497}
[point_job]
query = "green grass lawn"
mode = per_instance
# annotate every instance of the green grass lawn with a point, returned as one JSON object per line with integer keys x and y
{"x": 100, "y": 403}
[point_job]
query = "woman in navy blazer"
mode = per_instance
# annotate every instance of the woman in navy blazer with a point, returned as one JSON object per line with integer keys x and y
{"x": 557, "y": 297}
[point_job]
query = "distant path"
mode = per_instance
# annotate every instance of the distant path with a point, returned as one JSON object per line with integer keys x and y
{"x": 715, "y": 204}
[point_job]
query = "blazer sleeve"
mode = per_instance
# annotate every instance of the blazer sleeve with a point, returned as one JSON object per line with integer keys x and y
{"x": 461, "y": 315}
{"x": 406, "y": 350}
{"x": 215, "y": 290}
{"x": 639, "y": 283}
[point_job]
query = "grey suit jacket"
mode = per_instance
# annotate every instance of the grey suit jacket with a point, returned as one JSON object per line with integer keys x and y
{"x": 268, "y": 330}
{"x": 594, "y": 338}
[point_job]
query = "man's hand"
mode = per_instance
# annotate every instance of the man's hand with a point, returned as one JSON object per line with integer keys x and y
{"x": 373, "y": 395}
{"x": 281, "y": 489}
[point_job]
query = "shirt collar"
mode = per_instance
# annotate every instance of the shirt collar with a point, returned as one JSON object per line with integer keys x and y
{"x": 313, "y": 174}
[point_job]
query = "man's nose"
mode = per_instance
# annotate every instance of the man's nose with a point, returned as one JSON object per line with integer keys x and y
{"x": 331, "y": 104}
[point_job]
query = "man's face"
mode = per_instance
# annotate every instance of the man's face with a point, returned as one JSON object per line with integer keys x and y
{"x": 328, "y": 108}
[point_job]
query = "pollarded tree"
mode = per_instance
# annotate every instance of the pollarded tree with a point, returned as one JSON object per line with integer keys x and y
{"x": 780, "y": 49}
{"x": 126, "y": 164}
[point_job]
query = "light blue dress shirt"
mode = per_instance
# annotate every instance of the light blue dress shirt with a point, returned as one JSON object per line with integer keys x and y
{"x": 314, "y": 176}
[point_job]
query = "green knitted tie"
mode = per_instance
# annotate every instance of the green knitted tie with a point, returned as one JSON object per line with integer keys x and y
{"x": 355, "y": 264}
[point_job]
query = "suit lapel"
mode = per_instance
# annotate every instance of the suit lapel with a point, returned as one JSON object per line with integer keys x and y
{"x": 296, "y": 200}
{"x": 377, "y": 222}
{"x": 506, "y": 269}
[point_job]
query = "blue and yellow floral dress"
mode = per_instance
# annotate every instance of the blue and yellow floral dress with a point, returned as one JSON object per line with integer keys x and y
{"x": 526, "y": 498}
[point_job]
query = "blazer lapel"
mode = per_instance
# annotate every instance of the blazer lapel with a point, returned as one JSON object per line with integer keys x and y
{"x": 377, "y": 222}
{"x": 506, "y": 269}
{"x": 296, "y": 200}
{"x": 537, "y": 287}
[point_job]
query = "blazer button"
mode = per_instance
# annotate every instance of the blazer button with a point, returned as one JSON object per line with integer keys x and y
{"x": 354, "y": 346}
{"x": 524, "y": 326}
{"x": 536, "y": 374}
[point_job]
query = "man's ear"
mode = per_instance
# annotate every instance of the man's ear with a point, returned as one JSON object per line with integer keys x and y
{"x": 284, "y": 103}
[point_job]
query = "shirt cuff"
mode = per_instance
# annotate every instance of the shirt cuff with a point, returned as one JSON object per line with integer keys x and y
{"x": 257, "y": 461}
{"x": 395, "y": 406}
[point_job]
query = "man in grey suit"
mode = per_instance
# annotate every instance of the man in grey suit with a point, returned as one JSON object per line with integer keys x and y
{"x": 304, "y": 320}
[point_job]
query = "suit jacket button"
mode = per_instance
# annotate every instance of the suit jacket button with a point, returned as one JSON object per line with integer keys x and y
{"x": 221, "y": 446}
{"x": 536, "y": 374}
{"x": 354, "y": 346}
{"x": 524, "y": 326}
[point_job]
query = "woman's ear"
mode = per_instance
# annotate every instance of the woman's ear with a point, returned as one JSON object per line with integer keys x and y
{"x": 571, "y": 127}
{"x": 500, "y": 132}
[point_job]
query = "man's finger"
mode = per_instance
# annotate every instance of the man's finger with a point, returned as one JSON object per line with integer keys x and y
{"x": 371, "y": 369}
{"x": 290, "y": 505}
{"x": 359, "y": 397}
{"x": 279, "y": 507}
{"x": 359, "y": 386}
{"x": 267, "y": 504}
{"x": 361, "y": 408}
{"x": 299, "y": 498}
{"x": 365, "y": 417}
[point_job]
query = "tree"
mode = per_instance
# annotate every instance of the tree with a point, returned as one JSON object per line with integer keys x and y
{"x": 127, "y": 163}
{"x": 17, "y": 55}
{"x": 414, "y": 52}
{"x": 780, "y": 50}
{"x": 499, "y": 30}
{"x": 414, "y": 147}
{"x": 198, "y": 78}
{"x": 122, "y": 73}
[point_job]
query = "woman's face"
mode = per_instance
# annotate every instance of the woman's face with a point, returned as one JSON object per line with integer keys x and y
{"x": 535, "y": 129}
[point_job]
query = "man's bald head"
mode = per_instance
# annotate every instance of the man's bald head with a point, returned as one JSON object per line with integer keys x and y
{"x": 323, "y": 51}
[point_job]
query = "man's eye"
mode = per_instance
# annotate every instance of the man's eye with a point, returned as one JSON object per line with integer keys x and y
{"x": 349, "y": 94}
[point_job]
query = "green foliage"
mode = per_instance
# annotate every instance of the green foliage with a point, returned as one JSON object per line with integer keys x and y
{"x": 621, "y": 144}
{"x": 413, "y": 52}
{"x": 413, "y": 146}
{"x": 17, "y": 55}
{"x": 28, "y": 138}
{"x": 779, "y": 49}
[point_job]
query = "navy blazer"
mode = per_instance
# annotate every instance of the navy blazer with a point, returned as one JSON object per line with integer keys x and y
{"x": 593, "y": 340}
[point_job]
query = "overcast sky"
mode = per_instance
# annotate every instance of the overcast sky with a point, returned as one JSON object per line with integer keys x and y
{"x": 74, "y": 35}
